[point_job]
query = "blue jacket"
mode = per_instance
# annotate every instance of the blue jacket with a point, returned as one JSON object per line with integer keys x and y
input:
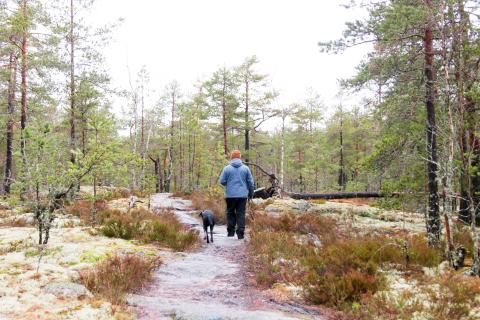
{"x": 237, "y": 179}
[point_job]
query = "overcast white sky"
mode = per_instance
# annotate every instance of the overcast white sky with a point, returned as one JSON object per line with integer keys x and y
{"x": 187, "y": 40}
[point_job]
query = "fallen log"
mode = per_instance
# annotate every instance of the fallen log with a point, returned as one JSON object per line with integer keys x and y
{"x": 336, "y": 195}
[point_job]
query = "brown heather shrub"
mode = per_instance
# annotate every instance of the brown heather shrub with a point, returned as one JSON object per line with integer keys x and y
{"x": 342, "y": 273}
{"x": 462, "y": 236}
{"x": 323, "y": 227}
{"x": 118, "y": 275}
{"x": 179, "y": 194}
{"x": 117, "y": 193}
{"x": 343, "y": 270}
{"x": 421, "y": 254}
{"x": 275, "y": 257}
{"x": 19, "y": 223}
{"x": 83, "y": 209}
{"x": 140, "y": 224}
{"x": 211, "y": 199}
{"x": 139, "y": 194}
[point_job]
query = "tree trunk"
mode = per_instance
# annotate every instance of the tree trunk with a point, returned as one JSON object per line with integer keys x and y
{"x": 72, "y": 85}
{"x": 8, "y": 179}
{"x": 168, "y": 173}
{"x": 336, "y": 195}
{"x": 433, "y": 218}
{"x": 224, "y": 116}
{"x": 341, "y": 173}
{"x": 142, "y": 140}
{"x": 475, "y": 178}
{"x": 181, "y": 157}
{"x": 459, "y": 62}
{"x": 282, "y": 151}
{"x": 247, "y": 124}
{"x": 448, "y": 188}
{"x": 158, "y": 173}
{"x": 170, "y": 149}
{"x": 23, "y": 112}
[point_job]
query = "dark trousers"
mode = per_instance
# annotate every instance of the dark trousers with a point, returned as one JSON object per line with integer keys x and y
{"x": 236, "y": 215}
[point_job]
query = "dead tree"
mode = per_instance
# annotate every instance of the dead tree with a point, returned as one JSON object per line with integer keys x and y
{"x": 72, "y": 84}
{"x": 158, "y": 173}
{"x": 336, "y": 195}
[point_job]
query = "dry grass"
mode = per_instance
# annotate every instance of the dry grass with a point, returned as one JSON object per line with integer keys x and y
{"x": 161, "y": 227}
{"x": 179, "y": 194}
{"x": 318, "y": 201}
{"x": 119, "y": 275}
{"x": 462, "y": 236}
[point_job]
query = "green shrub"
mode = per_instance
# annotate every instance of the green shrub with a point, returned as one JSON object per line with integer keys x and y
{"x": 119, "y": 228}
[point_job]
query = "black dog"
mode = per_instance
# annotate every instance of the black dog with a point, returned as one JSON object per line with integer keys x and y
{"x": 208, "y": 221}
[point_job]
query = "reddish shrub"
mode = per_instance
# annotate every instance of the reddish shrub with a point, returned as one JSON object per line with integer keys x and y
{"x": 211, "y": 200}
{"x": 118, "y": 275}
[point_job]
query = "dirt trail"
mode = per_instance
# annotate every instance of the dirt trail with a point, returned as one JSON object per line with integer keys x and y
{"x": 208, "y": 284}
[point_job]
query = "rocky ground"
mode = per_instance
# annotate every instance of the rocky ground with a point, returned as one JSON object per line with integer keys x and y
{"x": 41, "y": 284}
{"x": 361, "y": 217}
{"x": 209, "y": 283}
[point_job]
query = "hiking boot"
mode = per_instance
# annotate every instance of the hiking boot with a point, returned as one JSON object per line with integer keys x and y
{"x": 240, "y": 236}
{"x": 230, "y": 234}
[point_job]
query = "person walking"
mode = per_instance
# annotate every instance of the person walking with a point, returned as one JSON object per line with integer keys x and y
{"x": 238, "y": 182}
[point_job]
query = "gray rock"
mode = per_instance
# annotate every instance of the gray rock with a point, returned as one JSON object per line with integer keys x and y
{"x": 273, "y": 209}
{"x": 67, "y": 290}
{"x": 4, "y": 205}
{"x": 28, "y": 217}
{"x": 258, "y": 201}
{"x": 309, "y": 238}
{"x": 313, "y": 238}
{"x": 443, "y": 267}
{"x": 302, "y": 206}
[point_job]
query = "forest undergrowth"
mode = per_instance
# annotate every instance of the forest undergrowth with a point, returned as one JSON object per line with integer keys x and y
{"x": 160, "y": 226}
{"x": 351, "y": 271}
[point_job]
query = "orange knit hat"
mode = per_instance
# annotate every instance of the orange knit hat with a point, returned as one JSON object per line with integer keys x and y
{"x": 236, "y": 154}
